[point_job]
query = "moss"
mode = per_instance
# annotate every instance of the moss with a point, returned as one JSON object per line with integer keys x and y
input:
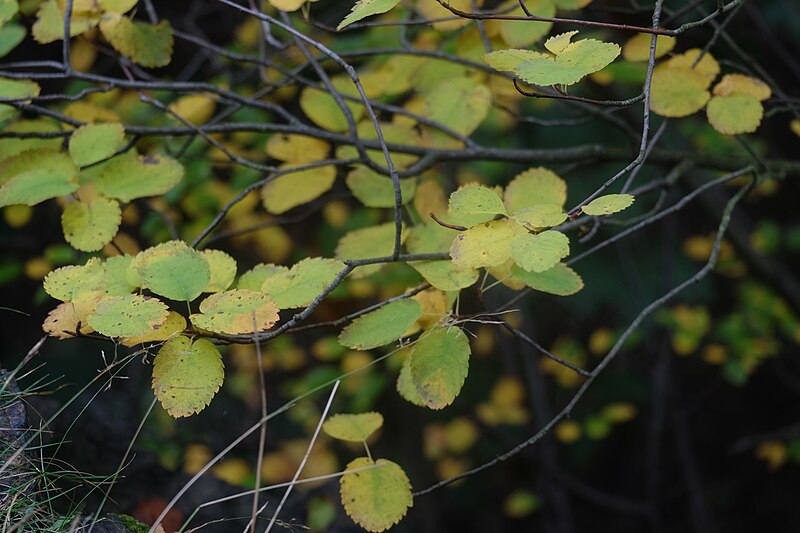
{"x": 131, "y": 523}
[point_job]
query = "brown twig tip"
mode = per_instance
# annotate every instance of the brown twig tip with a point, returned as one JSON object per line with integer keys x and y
{"x": 445, "y": 224}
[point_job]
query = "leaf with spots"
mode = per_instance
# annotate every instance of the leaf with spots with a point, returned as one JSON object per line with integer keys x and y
{"x": 88, "y": 226}
{"x": 236, "y": 312}
{"x": 70, "y": 282}
{"x": 128, "y": 176}
{"x": 172, "y": 270}
{"x": 125, "y": 316}
{"x": 476, "y": 200}
{"x": 174, "y": 325}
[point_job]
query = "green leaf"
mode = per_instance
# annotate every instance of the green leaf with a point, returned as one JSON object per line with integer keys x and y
{"x": 117, "y": 6}
{"x": 487, "y": 244}
{"x": 439, "y": 365}
{"x": 460, "y": 103}
{"x": 148, "y": 45}
{"x": 476, "y": 199}
{"x": 223, "y": 270}
{"x": 381, "y": 326}
{"x": 298, "y": 286}
{"x": 570, "y": 65}
{"x": 129, "y": 176}
{"x": 10, "y": 37}
{"x": 49, "y": 25}
{"x": 70, "y": 282}
{"x": 117, "y": 275}
{"x": 509, "y": 60}
{"x": 736, "y": 114}
{"x": 18, "y": 89}
{"x": 405, "y": 385}
{"x": 297, "y": 188}
{"x": 375, "y": 190}
{"x": 523, "y": 32}
{"x": 187, "y": 375}
{"x": 353, "y": 428}
{"x": 11, "y": 146}
{"x": 253, "y": 279}
{"x": 678, "y": 91}
{"x": 95, "y": 142}
{"x": 35, "y": 176}
{"x": 608, "y": 204}
{"x": 540, "y": 216}
{"x": 172, "y": 270}
{"x": 560, "y": 280}
{"x": 367, "y": 8}
{"x": 88, "y": 226}
{"x": 377, "y": 498}
{"x": 535, "y": 186}
{"x": 445, "y": 275}
{"x": 541, "y": 251}
{"x": 8, "y": 8}
{"x": 125, "y": 316}
{"x": 235, "y": 312}
{"x": 323, "y": 110}
{"x": 365, "y": 243}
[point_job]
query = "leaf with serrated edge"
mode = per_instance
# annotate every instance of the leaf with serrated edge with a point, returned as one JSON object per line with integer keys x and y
{"x": 128, "y": 177}
{"x": 298, "y": 286}
{"x": 487, "y": 244}
{"x": 535, "y": 186}
{"x": 70, "y": 282}
{"x": 476, "y": 199}
{"x": 378, "y": 498}
{"x": 353, "y": 427}
{"x": 174, "y": 325}
{"x": 540, "y": 216}
{"x": 406, "y": 387}
{"x": 236, "y": 312}
{"x": 88, "y": 226}
{"x": 557, "y": 43}
{"x": 172, "y": 270}
{"x": 439, "y": 365}
{"x": 382, "y": 326}
{"x": 367, "y": 8}
{"x": 187, "y": 375}
{"x": 608, "y": 204}
{"x": 126, "y": 316}
{"x": 223, "y": 270}
{"x": 34, "y": 176}
{"x": 540, "y": 252}
{"x": 63, "y": 321}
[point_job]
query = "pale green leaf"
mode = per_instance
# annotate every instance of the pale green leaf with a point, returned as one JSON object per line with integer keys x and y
{"x": 14, "y": 146}
{"x": 129, "y": 176}
{"x": 95, "y": 142}
{"x": 374, "y": 190}
{"x": 125, "y": 316}
{"x": 236, "y": 312}
{"x": 353, "y": 427}
{"x": 382, "y": 326}
{"x": 540, "y": 216}
{"x": 297, "y": 188}
{"x": 49, "y": 25}
{"x": 608, "y": 204}
{"x": 12, "y": 89}
{"x": 35, "y": 176}
{"x": 187, "y": 375}
{"x": 10, "y": 37}
{"x": 378, "y": 498}
{"x": 117, "y": 275}
{"x": 88, "y": 226}
{"x": 298, "y": 286}
{"x": 445, "y": 275}
{"x": 172, "y": 270}
{"x": 323, "y": 110}
{"x": 365, "y": 243}
{"x": 575, "y": 61}
{"x": 678, "y": 91}
{"x": 223, "y": 270}
{"x": 148, "y": 45}
{"x": 460, "y": 103}
{"x": 253, "y": 279}
{"x": 539, "y": 252}
{"x": 476, "y": 199}
{"x": 560, "y": 280}
{"x": 8, "y": 8}
{"x": 736, "y": 114}
{"x": 172, "y": 327}
{"x": 487, "y": 244}
{"x": 405, "y": 386}
{"x": 70, "y": 282}
{"x": 535, "y": 186}
{"x": 509, "y": 60}
{"x": 367, "y": 8}
{"x": 439, "y": 365}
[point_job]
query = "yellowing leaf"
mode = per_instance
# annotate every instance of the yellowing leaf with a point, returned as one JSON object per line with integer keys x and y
{"x": 287, "y": 5}
{"x": 187, "y": 375}
{"x": 172, "y": 270}
{"x": 557, "y": 43}
{"x": 509, "y": 60}
{"x": 734, "y": 115}
{"x": 459, "y": 103}
{"x": 707, "y": 67}
{"x": 297, "y": 188}
{"x": 223, "y": 270}
{"x": 236, "y": 312}
{"x": 637, "y": 48}
{"x": 475, "y": 200}
{"x": 375, "y": 241}
{"x": 49, "y": 25}
{"x": 375, "y": 190}
{"x": 128, "y": 177}
{"x": 487, "y": 244}
{"x": 439, "y": 365}
{"x": 253, "y": 279}
{"x": 117, "y": 6}
{"x": 366, "y": 8}
{"x": 560, "y": 280}
{"x": 323, "y": 110}
{"x": 608, "y": 204}
{"x": 540, "y": 216}
{"x": 195, "y": 108}
{"x": 298, "y": 286}
{"x": 88, "y": 226}
{"x": 353, "y": 428}
{"x": 539, "y": 252}
{"x": 382, "y": 326}
{"x": 63, "y": 321}
{"x": 445, "y": 275}
{"x": 378, "y": 498}
{"x": 125, "y": 316}
{"x": 70, "y": 282}
{"x": 678, "y": 91}
{"x": 406, "y": 387}
{"x": 522, "y": 32}
{"x": 733, "y": 84}
{"x": 35, "y": 176}
{"x": 296, "y": 149}
{"x": 94, "y": 142}
{"x": 148, "y": 45}
{"x": 174, "y": 325}
{"x": 535, "y": 186}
